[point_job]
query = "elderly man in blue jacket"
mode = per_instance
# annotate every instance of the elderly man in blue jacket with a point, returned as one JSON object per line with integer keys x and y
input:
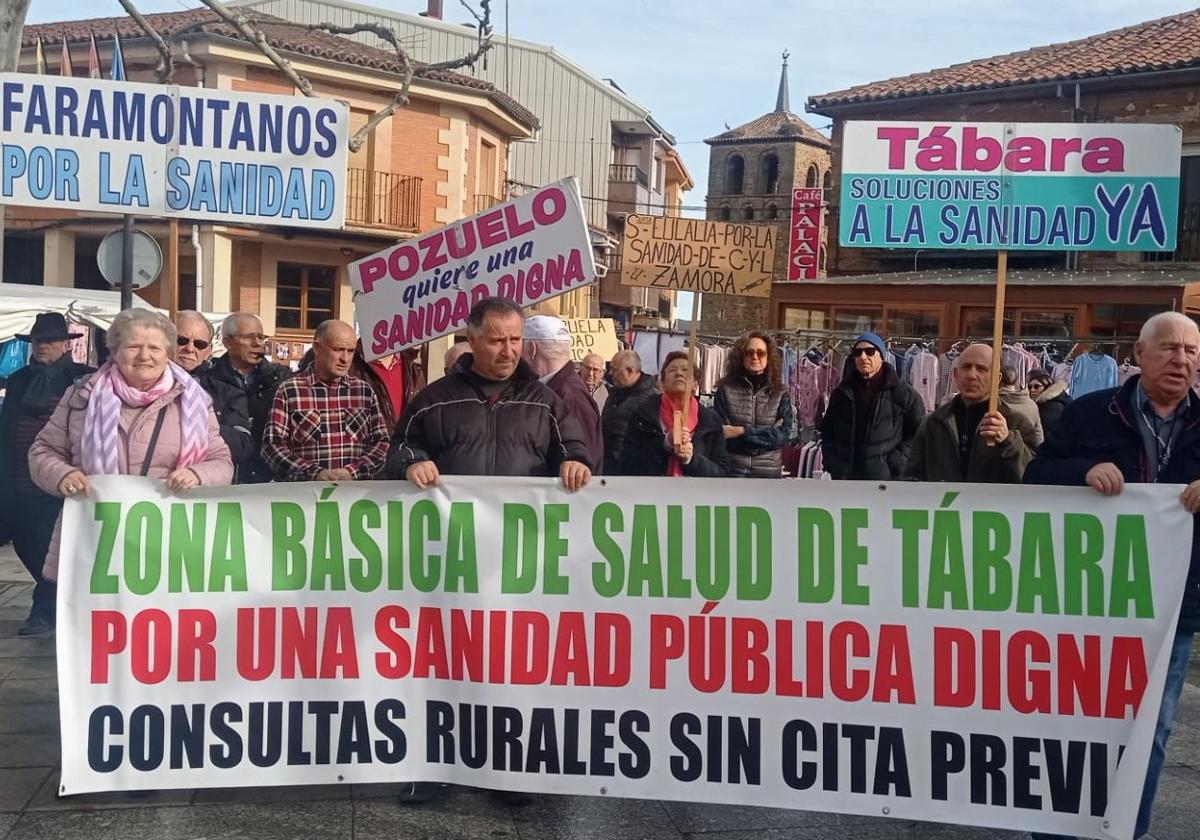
{"x": 1146, "y": 431}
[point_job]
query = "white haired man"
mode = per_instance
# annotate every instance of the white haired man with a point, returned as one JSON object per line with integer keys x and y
{"x": 1146, "y": 431}
{"x": 242, "y": 384}
{"x": 547, "y": 349}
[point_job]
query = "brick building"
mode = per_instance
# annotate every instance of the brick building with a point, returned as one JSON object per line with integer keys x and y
{"x": 752, "y": 170}
{"x": 624, "y": 160}
{"x": 1144, "y": 73}
{"x": 421, "y": 168}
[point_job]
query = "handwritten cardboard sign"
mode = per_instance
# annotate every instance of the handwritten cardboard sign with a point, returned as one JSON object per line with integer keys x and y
{"x": 695, "y": 255}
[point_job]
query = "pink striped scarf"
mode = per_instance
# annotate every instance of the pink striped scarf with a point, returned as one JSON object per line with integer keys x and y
{"x": 102, "y": 418}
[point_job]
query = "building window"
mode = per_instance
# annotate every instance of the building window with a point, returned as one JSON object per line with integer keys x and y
{"x": 813, "y": 178}
{"x": 857, "y": 319}
{"x": 747, "y": 212}
{"x": 914, "y": 323}
{"x": 769, "y": 167}
{"x": 735, "y": 175}
{"x": 772, "y": 211}
{"x": 723, "y": 214}
{"x": 304, "y": 296}
{"x": 1187, "y": 242}
{"x": 805, "y": 317}
{"x": 827, "y": 180}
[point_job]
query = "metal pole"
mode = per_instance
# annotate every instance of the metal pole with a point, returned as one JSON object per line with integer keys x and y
{"x": 126, "y": 262}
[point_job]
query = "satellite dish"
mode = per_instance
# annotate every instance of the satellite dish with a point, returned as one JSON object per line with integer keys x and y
{"x": 147, "y": 258}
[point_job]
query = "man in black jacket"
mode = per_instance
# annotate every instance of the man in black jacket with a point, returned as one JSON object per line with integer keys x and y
{"x": 872, "y": 417}
{"x": 490, "y": 415}
{"x": 33, "y": 393}
{"x": 629, "y": 387}
{"x": 242, "y": 384}
{"x": 1146, "y": 431}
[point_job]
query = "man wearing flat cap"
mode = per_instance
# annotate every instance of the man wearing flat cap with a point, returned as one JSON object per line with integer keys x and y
{"x": 33, "y": 393}
{"x": 547, "y": 348}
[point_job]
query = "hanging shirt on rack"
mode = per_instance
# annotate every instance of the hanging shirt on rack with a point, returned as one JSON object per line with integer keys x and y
{"x": 923, "y": 372}
{"x": 1125, "y": 371}
{"x": 1092, "y": 372}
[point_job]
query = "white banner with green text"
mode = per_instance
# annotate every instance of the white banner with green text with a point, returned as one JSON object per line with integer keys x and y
{"x": 980, "y": 655}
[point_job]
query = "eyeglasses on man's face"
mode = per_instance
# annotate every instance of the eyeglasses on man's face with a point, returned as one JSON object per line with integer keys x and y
{"x": 198, "y": 343}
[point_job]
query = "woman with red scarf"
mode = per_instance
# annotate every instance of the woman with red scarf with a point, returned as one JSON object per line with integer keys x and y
{"x": 649, "y": 447}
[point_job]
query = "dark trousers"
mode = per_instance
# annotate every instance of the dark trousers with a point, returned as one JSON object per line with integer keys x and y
{"x": 32, "y": 515}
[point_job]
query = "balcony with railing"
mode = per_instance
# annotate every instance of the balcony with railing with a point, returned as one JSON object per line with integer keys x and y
{"x": 629, "y": 192}
{"x": 485, "y": 202}
{"x": 383, "y": 200}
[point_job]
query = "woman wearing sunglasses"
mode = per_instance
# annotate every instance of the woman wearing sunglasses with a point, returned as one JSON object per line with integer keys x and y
{"x": 754, "y": 408}
{"x": 872, "y": 417}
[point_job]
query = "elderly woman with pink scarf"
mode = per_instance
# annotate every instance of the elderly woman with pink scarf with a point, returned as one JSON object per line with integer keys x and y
{"x": 139, "y": 414}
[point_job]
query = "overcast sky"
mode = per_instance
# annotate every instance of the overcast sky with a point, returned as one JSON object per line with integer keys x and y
{"x": 699, "y": 64}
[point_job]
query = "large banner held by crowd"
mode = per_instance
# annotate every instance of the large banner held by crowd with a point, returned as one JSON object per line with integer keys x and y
{"x": 529, "y": 249}
{"x": 1010, "y": 186}
{"x": 971, "y": 654}
{"x": 163, "y": 150}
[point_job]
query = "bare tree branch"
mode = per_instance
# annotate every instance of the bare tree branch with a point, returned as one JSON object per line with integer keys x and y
{"x": 407, "y": 70}
{"x": 480, "y": 19}
{"x": 166, "y": 62}
{"x": 400, "y": 99}
{"x": 255, "y": 36}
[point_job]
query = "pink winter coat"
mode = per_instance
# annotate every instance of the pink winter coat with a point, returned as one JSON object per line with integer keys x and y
{"x": 57, "y": 450}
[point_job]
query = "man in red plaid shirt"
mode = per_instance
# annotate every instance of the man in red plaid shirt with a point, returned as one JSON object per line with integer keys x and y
{"x": 326, "y": 425}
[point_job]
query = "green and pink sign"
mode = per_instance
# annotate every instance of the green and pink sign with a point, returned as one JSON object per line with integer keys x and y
{"x": 1015, "y": 186}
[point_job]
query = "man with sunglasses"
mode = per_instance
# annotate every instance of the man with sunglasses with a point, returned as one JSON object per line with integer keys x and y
{"x": 872, "y": 418}
{"x": 242, "y": 384}
{"x": 194, "y": 342}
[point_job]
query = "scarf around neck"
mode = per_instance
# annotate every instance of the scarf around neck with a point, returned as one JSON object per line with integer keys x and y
{"x": 101, "y": 420}
{"x": 46, "y": 385}
{"x": 666, "y": 416}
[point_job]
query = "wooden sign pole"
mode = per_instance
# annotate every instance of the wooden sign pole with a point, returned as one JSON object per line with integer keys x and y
{"x": 170, "y": 295}
{"x": 682, "y": 418}
{"x": 998, "y": 332}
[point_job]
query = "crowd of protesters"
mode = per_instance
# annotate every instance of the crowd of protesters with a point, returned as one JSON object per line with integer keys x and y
{"x": 511, "y": 403}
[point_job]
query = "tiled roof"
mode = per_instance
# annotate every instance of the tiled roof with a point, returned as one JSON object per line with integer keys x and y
{"x": 772, "y": 127}
{"x": 281, "y": 35}
{"x": 1164, "y": 44}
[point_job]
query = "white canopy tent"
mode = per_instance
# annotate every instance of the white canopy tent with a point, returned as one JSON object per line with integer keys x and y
{"x": 20, "y": 304}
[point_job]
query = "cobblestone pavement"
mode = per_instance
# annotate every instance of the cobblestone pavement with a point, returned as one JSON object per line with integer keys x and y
{"x": 30, "y": 810}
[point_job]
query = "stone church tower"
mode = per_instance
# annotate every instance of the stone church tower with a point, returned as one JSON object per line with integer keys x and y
{"x": 752, "y": 170}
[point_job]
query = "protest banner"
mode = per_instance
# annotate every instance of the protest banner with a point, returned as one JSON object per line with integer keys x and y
{"x": 592, "y": 335}
{"x": 529, "y": 249}
{"x": 694, "y": 255}
{"x": 804, "y": 245}
{"x": 1014, "y": 186}
{"x": 94, "y": 145}
{"x": 984, "y": 655}
{"x": 1009, "y": 186}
